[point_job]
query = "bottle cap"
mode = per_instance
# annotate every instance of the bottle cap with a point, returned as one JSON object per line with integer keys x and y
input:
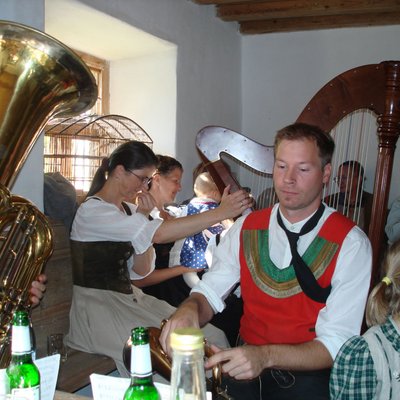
{"x": 140, "y": 335}
{"x": 187, "y": 339}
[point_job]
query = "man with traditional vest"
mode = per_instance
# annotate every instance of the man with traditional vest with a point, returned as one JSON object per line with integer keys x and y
{"x": 304, "y": 271}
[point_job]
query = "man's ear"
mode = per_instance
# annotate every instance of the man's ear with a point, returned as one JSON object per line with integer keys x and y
{"x": 327, "y": 173}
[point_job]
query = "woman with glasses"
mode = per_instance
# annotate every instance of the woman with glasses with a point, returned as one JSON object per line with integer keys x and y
{"x": 109, "y": 236}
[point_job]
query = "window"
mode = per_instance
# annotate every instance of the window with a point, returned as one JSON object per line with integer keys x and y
{"x": 76, "y": 146}
{"x": 101, "y": 72}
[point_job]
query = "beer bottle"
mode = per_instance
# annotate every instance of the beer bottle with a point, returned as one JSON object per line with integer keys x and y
{"x": 23, "y": 374}
{"x": 141, "y": 386}
{"x": 187, "y": 377}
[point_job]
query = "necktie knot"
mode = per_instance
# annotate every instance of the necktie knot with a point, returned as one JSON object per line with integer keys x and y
{"x": 304, "y": 275}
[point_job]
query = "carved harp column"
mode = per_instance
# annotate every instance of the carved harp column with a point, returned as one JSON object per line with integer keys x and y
{"x": 375, "y": 87}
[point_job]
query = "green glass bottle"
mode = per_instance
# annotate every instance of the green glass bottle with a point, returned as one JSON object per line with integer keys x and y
{"x": 142, "y": 386}
{"x": 23, "y": 374}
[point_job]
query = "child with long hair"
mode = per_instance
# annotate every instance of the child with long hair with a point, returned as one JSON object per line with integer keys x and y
{"x": 368, "y": 366}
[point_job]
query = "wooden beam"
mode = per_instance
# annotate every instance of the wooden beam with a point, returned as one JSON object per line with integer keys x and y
{"x": 250, "y": 11}
{"x": 216, "y": 2}
{"x": 314, "y": 23}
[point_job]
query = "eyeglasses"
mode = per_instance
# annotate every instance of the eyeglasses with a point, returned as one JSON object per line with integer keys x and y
{"x": 144, "y": 179}
{"x": 338, "y": 179}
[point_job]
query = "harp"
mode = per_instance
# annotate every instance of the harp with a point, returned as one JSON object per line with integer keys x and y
{"x": 360, "y": 108}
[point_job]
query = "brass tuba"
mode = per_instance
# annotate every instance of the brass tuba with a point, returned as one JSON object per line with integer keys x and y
{"x": 39, "y": 78}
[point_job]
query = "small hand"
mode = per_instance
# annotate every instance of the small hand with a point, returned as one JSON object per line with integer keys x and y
{"x": 37, "y": 290}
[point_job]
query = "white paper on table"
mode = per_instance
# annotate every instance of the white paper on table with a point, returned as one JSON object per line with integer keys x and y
{"x": 48, "y": 368}
{"x": 113, "y": 388}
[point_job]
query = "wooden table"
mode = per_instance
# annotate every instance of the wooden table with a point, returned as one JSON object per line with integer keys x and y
{"x": 68, "y": 396}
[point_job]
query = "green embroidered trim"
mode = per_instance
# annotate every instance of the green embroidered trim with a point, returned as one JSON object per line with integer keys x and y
{"x": 281, "y": 283}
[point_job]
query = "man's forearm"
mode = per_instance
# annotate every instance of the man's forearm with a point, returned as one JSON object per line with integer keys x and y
{"x": 311, "y": 355}
{"x": 198, "y": 304}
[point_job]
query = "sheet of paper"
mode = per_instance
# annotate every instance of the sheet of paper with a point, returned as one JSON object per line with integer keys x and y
{"x": 48, "y": 368}
{"x": 113, "y": 388}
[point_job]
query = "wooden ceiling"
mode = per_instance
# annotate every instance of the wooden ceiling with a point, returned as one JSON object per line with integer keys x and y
{"x": 256, "y": 17}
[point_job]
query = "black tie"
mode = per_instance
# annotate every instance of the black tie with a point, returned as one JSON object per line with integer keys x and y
{"x": 304, "y": 275}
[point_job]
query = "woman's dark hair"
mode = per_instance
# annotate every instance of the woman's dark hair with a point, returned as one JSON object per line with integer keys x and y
{"x": 167, "y": 164}
{"x": 131, "y": 155}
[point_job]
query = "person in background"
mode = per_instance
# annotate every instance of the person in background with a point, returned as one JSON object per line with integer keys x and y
{"x": 368, "y": 366}
{"x": 165, "y": 282}
{"x": 352, "y": 200}
{"x": 392, "y": 228}
{"x": 190, "y": 251}
{"x": 110, "y": 236}
{"x": 59, "y": 198}
{"x": 304, "y": 271}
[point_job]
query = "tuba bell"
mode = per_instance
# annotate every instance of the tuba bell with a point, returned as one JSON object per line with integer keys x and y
{"x": 40, "y": 78}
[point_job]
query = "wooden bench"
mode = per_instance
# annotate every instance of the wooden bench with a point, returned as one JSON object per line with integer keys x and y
{"x": 52, "y": 316}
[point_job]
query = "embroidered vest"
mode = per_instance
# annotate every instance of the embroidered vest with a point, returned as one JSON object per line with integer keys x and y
{"x": 275, "y": 308}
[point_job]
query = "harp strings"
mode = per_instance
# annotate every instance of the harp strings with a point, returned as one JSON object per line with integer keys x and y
{"x": 355, "y": 141}
{"x": 259, "y": 184}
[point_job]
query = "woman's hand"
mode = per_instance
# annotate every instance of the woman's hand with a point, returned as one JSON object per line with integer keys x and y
{"x": 145, "y": 202}
{"x": 234, "y": 204}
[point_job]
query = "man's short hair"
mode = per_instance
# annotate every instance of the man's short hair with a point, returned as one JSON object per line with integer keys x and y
{"x": 299, "y": 131}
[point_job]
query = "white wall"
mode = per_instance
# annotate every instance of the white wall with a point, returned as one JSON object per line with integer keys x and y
{"x": 207, "y": 70}
{"x": 151, "y": 98}
{"x": 281, "y": 72}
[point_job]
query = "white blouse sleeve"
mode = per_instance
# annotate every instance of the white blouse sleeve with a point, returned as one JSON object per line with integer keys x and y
{"x": 97, "y": 220}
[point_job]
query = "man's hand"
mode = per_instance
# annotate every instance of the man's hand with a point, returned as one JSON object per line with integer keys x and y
{"x": 37, "y": 290}
{"x": 193, "y": 312}
{"x": 244, "y": 362}
{"x": 182, "y": 318}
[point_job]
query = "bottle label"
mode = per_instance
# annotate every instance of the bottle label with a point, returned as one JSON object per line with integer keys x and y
{"x": 21, "y": 339}
{"x": 4, "y": 383}
{"x": 141, "y": 360}
{"x": 32, "y": 393}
